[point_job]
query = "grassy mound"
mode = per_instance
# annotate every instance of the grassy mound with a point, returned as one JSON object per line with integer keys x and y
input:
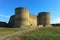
{"x": 44, "y": 34}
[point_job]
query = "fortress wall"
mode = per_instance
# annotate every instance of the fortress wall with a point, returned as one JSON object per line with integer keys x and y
{"x": 33, "y": 20}
{"x": 43, "y": 18}
{"x": 11, "y": 21}
{"x": 21, "y": 17}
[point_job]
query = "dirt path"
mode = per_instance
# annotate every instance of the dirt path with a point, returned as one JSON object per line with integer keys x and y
{"x": 20, "y": 33}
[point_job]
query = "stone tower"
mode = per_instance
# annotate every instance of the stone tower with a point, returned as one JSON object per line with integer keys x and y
{"x": 43, "y": 18}
{"x": 21, "y": 17}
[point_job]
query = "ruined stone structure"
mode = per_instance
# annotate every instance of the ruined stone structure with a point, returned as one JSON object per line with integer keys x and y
{"x": 22, "y": 17}
{"x": 11, "y": 21}
{"x": 43, "y": 18}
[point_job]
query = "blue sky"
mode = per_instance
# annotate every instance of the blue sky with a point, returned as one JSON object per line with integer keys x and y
{"x": 7, "y": 8}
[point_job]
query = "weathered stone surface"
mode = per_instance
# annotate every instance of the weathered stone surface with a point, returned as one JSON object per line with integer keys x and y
{"x": 33, "y": 20}
{"x": 21, "y": 17}
{"x": 11, "y": 21}
{"x": 43, "y": 18}
{"x": 40, "y": 26}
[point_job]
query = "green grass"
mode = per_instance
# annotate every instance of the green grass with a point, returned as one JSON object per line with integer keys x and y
{"x": 44, "y": 34}
{"x": 5, "y": 31}
{"x": 52, "y": 33}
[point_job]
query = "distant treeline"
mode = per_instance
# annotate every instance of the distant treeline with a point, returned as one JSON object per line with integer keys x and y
{"x": 55, "y": 24}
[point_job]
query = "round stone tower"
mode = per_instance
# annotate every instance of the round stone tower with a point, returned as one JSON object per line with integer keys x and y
{"x": 21, "y": 17}
{"x": 43, "y": 18}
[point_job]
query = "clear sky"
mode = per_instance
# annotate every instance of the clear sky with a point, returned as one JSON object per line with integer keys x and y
{"x": 7, "y": 8}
